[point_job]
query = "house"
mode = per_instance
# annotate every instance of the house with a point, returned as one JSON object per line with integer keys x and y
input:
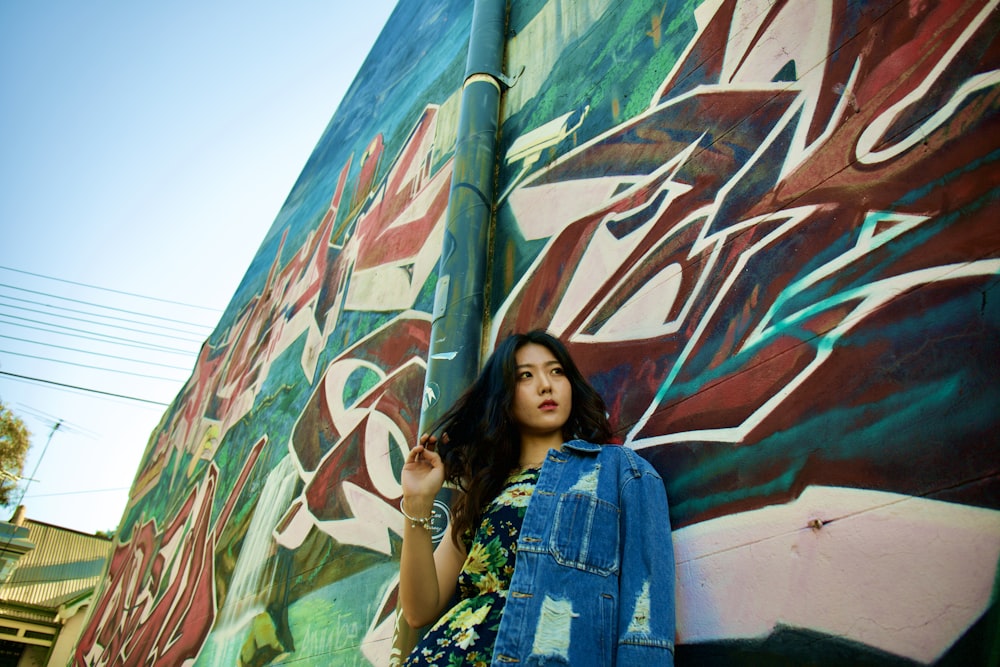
{"x": 48, "y": 575}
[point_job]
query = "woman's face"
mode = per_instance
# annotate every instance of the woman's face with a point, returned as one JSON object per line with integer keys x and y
{"x": 543, "y": 396}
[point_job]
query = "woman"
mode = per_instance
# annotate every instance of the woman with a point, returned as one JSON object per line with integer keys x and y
{"x": 593, "y": 582}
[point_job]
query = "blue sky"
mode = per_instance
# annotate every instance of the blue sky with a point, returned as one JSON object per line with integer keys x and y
{"x": 145, "y": 149}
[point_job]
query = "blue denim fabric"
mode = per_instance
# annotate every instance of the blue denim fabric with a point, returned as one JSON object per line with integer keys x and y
{"x": 594, "y": 579}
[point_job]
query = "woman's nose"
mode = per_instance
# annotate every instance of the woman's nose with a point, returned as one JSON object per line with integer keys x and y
{"x": 543, "y": 383}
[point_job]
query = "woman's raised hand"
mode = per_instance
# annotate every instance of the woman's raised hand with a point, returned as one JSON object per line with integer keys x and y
{"x": 423, "y": 474}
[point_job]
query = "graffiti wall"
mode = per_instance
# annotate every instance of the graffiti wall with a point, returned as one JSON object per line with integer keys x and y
{"x": 768, "y": 232}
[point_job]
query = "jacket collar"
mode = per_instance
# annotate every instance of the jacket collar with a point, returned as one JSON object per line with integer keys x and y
{"x": 582, "y": 446}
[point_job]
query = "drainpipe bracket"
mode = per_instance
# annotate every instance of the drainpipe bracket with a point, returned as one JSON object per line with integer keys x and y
{"x": 509, "y": 81}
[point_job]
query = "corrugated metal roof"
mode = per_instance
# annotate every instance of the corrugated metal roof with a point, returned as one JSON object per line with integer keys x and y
{"x": 28, "y": 614}
{"x": 63, "y": 565}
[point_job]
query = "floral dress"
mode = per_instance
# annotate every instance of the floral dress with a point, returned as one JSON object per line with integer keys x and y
{"x": 466, "y": 633}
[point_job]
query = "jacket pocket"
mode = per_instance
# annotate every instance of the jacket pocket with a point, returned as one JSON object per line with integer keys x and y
{"x": 585, "y": 533}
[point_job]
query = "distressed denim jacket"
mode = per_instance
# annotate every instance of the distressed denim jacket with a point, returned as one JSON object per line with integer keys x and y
{"x": 594, "y": 579}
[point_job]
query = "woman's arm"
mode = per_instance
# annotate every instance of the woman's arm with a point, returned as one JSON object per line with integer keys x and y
{"x": 427, "y": 576}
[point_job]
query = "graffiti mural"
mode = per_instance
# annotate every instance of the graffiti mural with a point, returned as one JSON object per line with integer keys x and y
{"x": 766, "y": 229}
{"x": 780, "y": 275}
{"x": 263, "y": 525}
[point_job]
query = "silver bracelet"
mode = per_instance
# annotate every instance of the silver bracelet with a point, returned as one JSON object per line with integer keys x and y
{"x": 417, "y": 522}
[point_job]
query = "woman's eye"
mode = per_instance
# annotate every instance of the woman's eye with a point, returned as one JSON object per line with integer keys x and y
{"x": 557, "y": 371}
{"x": 523, "y": 375}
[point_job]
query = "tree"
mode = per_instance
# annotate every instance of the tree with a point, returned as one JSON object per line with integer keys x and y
{"x": 14, "y": 442}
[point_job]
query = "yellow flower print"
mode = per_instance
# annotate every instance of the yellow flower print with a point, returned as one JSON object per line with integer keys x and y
{"x": 469, "y": 618}
{"x": 466, "y": 637}
{"x": 517, "y": 495}
{"x": 490, "y": 583}
{"x": 478, "y": 559}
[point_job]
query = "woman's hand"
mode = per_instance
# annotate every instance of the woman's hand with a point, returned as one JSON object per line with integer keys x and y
{"x": 422, "y": 477}
{"x": 427, "y": 575}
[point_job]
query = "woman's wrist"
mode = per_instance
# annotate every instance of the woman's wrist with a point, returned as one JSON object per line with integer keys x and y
{"x": 417, "y": 512}
{"x": 417, "y": 505}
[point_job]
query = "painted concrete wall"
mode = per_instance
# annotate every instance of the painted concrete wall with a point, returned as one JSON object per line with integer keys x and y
{"x": 767, "y": 230}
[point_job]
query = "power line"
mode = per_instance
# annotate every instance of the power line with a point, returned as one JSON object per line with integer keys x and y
{"x": 95, "y": 354}
{"x": 108, "y": 289}
{"x": 100, "y": 324}
{"x": 78, "y": 493}
{"x": 96, "y": 368}
{"x": 106, "y": 317}
{"x": 88, "y": 390}
{"x": 98, "y": 305}
{"x": 94, "y": 336}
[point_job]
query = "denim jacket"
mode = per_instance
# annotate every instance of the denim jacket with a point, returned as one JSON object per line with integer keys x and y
{"x": 594, "y": 579}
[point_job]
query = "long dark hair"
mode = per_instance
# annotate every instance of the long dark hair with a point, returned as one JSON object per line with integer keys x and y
{"x": 483, "y": 443}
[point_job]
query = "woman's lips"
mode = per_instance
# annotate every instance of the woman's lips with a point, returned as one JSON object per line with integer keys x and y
{"x": 548, "y": 405}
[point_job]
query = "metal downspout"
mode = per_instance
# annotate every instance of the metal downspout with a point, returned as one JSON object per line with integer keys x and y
{"x": 459, "y": 316}
{"x": 457, "y": 328}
